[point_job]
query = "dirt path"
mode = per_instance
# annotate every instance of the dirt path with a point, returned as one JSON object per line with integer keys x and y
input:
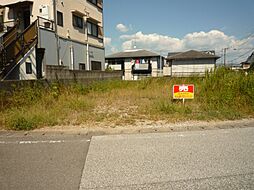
{"x": 145, "y": 127}
{"x": 140, "y": 127}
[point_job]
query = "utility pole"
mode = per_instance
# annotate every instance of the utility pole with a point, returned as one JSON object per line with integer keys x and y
{"x": 56, "y": 32}
{"x": 225, "y": 56}
{"x": 160, "y": 65}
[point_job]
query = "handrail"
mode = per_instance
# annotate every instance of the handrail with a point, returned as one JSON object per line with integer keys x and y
{"x": 41, "y": 19}
{"x": 22, "y": 34}
{"x": 16, "y": 23}
{"x": 12, "y": 33}
{"x": 4, "y": 25}
{"x": 29, "y": 27}
{"x": 9, "y": 22}
{"x": 14, "y": 51}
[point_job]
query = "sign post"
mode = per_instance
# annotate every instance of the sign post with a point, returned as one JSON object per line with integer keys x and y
{"x": 183, "y": 92}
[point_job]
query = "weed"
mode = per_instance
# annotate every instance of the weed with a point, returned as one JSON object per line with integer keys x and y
{"x": 169, "y": 107}
{"x": 21, "y": 123}
{"x": 221, "y": 94}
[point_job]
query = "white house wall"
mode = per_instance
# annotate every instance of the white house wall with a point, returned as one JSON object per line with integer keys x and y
{"x": 189, "y": 68}
{"x": 48, "y": 41}
{"x": 30, "y": 57}
{"x": 66, "y": 7}
{"x": 97, "y": 54}
{"x": 127, "y": 69}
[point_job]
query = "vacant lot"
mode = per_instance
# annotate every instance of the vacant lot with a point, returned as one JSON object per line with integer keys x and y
{"x": 222, "y": 95}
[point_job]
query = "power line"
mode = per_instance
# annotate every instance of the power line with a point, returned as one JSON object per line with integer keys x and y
{"x": 242, "y": 55}
{"x": 247, "y": 39}
{"x": 250, "y": 37}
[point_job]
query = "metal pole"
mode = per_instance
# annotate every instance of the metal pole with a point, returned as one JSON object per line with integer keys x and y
{"x": 87, "y": 44}
{"x": 160, "y": 64}
{"x": 87, "y": 57}
{"x": 56, "y": 32}
{"x": 225, "y": 56}
{"x": 72, "y": 57}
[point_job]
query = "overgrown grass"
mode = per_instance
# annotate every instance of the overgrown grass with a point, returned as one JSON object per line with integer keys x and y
{"x": 221, "y": 95}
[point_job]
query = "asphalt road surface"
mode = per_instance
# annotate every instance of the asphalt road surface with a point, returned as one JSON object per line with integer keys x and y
{"x": 212, "y": 159}
{"x": 42, "y": 162}
{"x": 217, "y": 159}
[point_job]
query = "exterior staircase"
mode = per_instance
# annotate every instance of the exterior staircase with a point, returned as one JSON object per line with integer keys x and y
{"x": 14, "y": 46}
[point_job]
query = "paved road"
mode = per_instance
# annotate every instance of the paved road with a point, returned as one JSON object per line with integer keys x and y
{"x": 214, "y": 159}
{"x": 42, "y": 162}
{"x": 217, "y": 159}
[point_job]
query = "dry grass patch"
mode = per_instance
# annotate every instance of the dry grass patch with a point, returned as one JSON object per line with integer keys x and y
{"x": 220, "y": 95}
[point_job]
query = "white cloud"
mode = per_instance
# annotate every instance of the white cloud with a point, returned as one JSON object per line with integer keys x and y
{"x": 122, "y": 28}
{"x": 153, "y": 42}
{"x": 108, "y": 46}
{"x": 107, "y": 41}
{"x": 212, "y": 40}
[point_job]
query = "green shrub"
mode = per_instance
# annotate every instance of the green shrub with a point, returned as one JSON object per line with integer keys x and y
{"x": 21, "y": 123}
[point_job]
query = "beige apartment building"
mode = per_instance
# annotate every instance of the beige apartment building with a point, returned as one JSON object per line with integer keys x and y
{"x": 36, "y": 33}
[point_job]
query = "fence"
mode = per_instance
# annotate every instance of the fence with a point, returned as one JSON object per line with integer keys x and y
{"x": 62, "y": 75}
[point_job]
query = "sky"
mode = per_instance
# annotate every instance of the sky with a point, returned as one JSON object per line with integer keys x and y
{"x": 164, "y": 26}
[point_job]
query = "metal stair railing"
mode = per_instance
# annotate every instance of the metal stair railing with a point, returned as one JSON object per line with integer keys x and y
{"x": 10, "y": 35}
{"x": 14, "y": 51}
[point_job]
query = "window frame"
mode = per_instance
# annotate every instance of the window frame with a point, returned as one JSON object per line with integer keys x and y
{"x": 82, "y": 66}
{"x": 97, "y": 3}
{"x": 76, "y": 23}
{"x": 94, "y": 29}
{"x": 96, "y": 65}
{"x": 94, "y": 3}
{"x": 29, "y": 68}
{"x": 60, "y": 21}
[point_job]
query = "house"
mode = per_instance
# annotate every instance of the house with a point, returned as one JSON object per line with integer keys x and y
{"x": 39, "y": 33}
{"x": 136, "y": 63}
{"x": 247, "y": 64}
{"x": 191, "y": 63}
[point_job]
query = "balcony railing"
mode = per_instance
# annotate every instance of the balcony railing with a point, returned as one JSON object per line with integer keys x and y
{"x": 46, "y": 23}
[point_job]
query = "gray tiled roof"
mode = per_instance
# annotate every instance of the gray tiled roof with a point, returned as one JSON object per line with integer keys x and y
{"x": 133, "y": 54}
{"x": 250, "y": 58}
{"x": 192, "y": 54}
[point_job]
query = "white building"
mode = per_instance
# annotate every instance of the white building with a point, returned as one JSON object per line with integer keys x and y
{"x": 136, "y": 63}
{"x": 191, "y": 63}
{"x": 35, "y": 33}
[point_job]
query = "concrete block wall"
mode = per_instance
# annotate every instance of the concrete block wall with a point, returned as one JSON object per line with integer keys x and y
{"x": 63, "y": 73}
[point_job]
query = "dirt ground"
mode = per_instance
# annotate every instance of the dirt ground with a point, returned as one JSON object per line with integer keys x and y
{"x": 141, "y": 127}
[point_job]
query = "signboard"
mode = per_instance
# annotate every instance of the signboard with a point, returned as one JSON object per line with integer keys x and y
{"x": 183, "y": 91}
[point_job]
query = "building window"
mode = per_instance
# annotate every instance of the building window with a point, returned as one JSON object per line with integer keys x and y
{"x": 93, "y": 2}
{"x": 1, "y": 23}
{"x": 92, "y": 29}
{"x": 29, "y": 68}
{"x": 1, "y": 18}
{"x": 59, "y": 18}
{"x": 98, "y": 3}
{"x": 77, "y": 21}
{"x": 96, "y": 65}
{"x": 82, "y": 66}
